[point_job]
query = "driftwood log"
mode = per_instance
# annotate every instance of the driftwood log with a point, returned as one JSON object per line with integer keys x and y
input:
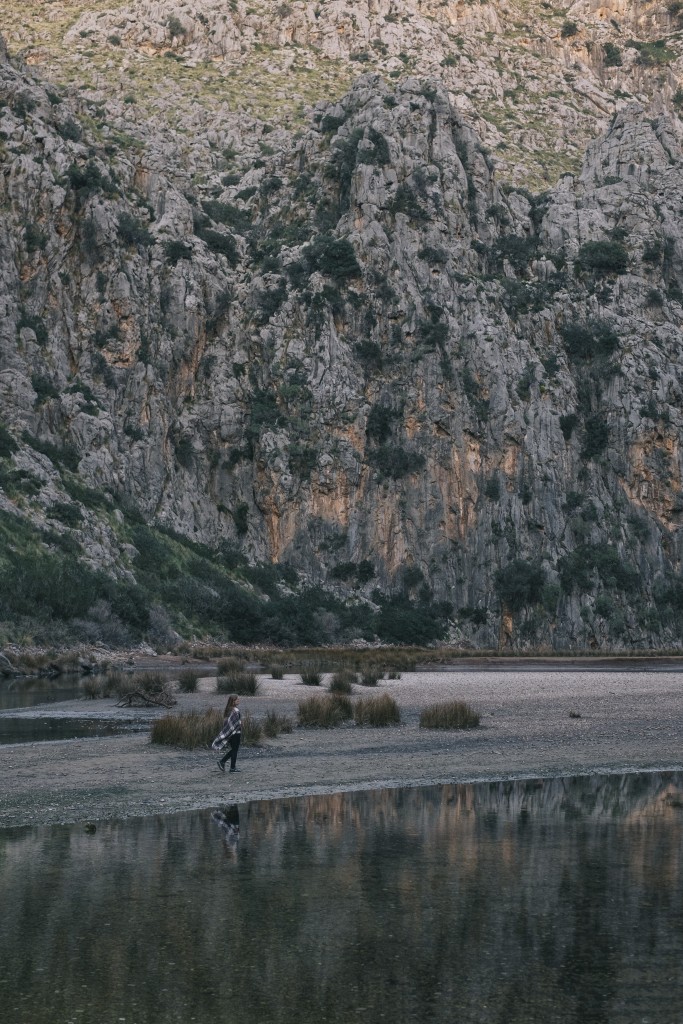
{"x": 140, "y": 699}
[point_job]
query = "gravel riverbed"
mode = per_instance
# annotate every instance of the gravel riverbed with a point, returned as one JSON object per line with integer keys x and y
{"x": 629, "y": 721}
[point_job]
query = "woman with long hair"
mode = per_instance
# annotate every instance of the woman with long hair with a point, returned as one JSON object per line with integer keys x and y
{"x": 230, "y": 735}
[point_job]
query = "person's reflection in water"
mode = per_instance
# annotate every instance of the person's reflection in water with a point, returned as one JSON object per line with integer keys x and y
{"x": 228, "y": 820}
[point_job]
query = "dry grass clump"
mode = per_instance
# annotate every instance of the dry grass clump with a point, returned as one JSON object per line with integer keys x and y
{"x": 227, "y": 665}
{"x": 148, "y": 682}
{"x": 275, "y": 670}
{"x": 370, "y": 676}
{"x": 325, "y": 712}
{"x": 252, "y": 730}
{"x": 115, "y": 684}
{"x": 191, "y": 730}
{"x": 187, "y": 680}
{"x": 342, "y": 681}
{"x": 274, "y": 724}
{"x": 238, "y": 681}
{"x": 93, "y": 688}
{"x": 195, "y": 729}
{"x": 311, "y": 678}
{"x": 377, "y": 711}
{"x": 453, "y": 714}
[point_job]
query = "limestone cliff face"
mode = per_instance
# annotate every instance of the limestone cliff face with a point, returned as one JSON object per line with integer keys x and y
{"x": 363, "y": 358}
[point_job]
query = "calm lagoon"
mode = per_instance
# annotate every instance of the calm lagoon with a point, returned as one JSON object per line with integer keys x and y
{"x": 542, "y": 901}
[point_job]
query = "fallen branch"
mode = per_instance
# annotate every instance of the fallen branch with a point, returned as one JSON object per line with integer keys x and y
{"x": 140, "y": 699}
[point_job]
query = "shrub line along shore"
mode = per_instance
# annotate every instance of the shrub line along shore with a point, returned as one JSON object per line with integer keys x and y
{"x": 532, "y": 724}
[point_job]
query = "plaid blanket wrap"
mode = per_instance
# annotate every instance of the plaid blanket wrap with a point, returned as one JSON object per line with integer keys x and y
{"x": 231, "y": 726}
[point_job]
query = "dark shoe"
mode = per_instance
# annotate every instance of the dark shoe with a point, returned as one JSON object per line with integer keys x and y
{"x": 221, "y": 765}
{"x": 235, "y": 769}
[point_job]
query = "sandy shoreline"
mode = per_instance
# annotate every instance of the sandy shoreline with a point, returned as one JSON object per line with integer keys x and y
{"x": 630, "y": 720}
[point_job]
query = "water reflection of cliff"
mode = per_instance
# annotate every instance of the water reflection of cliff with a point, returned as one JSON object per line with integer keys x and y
{"x": 529, "y": 902}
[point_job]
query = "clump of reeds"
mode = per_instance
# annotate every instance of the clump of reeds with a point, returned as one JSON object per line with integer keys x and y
{"x": 187, "y": 680}
{"x": 311, "y": 678}
{"x": 377, "y": 711}
{"x": 114, "y": 684}
{"x": 191, "y": 730}
{"x": 275, "y": 671}
{"x": 148, "y": 682}
{"x": 274, "y": 724}
{"x": 93, "y": 687}
{"x": 238, "y": 681}
{"x": 370, "y": 676}
{"x": 227, "y": 665}
{"x": 325, "y": 712}
{"x": 252, "y": 730}
{"x": 342, "y": 681}
{"x": 453, "y": 714}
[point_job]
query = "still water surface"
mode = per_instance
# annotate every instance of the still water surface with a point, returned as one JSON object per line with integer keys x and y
{"x": 504, "y": 903}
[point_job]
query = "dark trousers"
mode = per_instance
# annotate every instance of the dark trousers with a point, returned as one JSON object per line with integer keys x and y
{"x": 231, "y": 750}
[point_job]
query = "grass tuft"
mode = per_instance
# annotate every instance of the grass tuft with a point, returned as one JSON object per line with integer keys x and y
{"x": 342, "y": 681}
{"x": 377, "y": 711}
{"x": 237, "y": 681}
{"x": 227, "y": 665}
{"x": 453, "y": 714}
{"x": 187, "y": 680}
{"x": 370, "y": 676}
{"x": 274, "y": 724}
{"x": 191, "y": 730}
{"x": 93, "y": 688}
{"x": 310, "y": 678}
{"x": 252, "y": 730}
{"x": 325, "y": 712}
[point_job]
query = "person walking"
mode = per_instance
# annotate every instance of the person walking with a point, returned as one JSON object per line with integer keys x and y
{"x": 230, "y": 735}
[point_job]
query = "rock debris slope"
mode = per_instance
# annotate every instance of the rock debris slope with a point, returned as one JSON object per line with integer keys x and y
{"x": 360, "y": 356}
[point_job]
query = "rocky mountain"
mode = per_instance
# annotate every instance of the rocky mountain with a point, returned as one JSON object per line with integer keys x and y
{"x": 537, "y": 79}
{"x": 346, "y": 380}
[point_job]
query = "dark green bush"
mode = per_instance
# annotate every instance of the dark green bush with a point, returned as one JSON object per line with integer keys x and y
{"x": 240, "y": 516}
{"x": 380, "y": 420}
{"x": 7, "y": 443}
{"x": 43, "y": 388}
{"x": 335, "y": 257}
{"x": 37, "y": 325}
{"x": 394, "y": 461}
{"x": 612, "y": 55}
{"x": 66, "y": 513}
{"x": 132, "y": 231}
{"x": 595, "y": 437}
{"x": 603, "y": 258}
{"x": 407, "y": 202}
{"x": 228, "y": 214}
{"x": 569, "y": 29}
{"x": 577, "y": 569}
{"x": 520, "y": 583}
{"x": 221, "y": 243}
{"x": 589, "y": 339}
{"x": 176, "y": 250}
